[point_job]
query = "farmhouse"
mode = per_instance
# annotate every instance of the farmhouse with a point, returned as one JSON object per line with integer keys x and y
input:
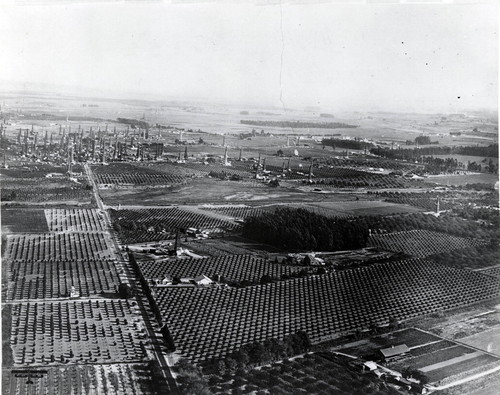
{"x": 202, "y": 280}
{"x": 394, "y": 351}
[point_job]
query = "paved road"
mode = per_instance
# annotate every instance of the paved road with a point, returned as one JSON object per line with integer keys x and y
{"x": 128, "y": 277}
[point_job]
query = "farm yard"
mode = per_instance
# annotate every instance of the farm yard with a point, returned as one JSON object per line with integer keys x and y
{"x": 75, "y": 332}
{"x": 58, "y": 247}
{"x": 421, "y": 243}
{"x": 216, "y": 321}
{"x": 53, "y": 279}
{"x": 441, "y": 361}
{"x": 231, "y": 268}
{"x": 115, "y": 379}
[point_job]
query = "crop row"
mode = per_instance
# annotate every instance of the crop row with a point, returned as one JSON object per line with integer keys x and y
{"x": 229, "y": 267}
{"x": 211, "y": 322}
{"x": 115, "y": 379}
{"x": 75, "y": 331}
{"x": 421, "y": 243}
{"x": 138, "y": 179}
{"x": 74, "y": 220}
{"x": 58, "y": 247}
{"x": 43, "y": 280}
{"x": 237, "y": 212}
{"x": 153, "y": 224}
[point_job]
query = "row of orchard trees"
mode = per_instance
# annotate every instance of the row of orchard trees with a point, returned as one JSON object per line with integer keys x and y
{"x": 304, "y": 230}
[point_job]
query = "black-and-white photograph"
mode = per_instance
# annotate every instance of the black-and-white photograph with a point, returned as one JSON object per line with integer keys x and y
{"x": 256, "y": 197}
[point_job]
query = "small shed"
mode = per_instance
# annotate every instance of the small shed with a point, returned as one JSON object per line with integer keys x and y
{"x": 394, "y": 351}
{"x": 370, "y": 365}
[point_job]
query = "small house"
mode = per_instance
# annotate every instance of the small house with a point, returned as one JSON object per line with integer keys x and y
{"x": 394, "y": 351}
{"x": 202, "y": 280}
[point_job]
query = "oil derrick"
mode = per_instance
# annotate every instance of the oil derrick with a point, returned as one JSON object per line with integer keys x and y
{"x": 223, "y": 140}
{"x": 225, "y": 157}
{"x": 92, "y": 142}
{"x": 310, "y": 172}
{"x": 288, "y": 141}
{"x": 240, "y": 154}
{"x": 147, "y": 133}
{"x": 283, "y": 170}
{"x": 258, "y": 163}
{"x": 180, "y": 135}
{"x": 115, "y": 148}
{"x": 19, "y": 136}
{"x": 127, "y": 131}
{"x": 142, "y": 152}
{"x": 179, "y": 157}
{"x": 288, "y": 167}
{"x": 35, "y": 142}
{"x": 298, "y": 141}
{"x": 437, "y": 205}
{"x": 45, "y": 139}
{"x": 70, "y": 159}
{"x": 26, "y": 141}
{"x": 106, "y": 128}
{"x": 4, "y": 160}
{"x": 186, "y": 153}
{"x": 138, "y": 152}
{"x": 264, "y": 165}
{"x": 51, "y": 139}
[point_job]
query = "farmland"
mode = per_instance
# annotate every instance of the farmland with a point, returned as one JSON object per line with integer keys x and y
{"x": 320, "y": 305}
{"x": 75, "y": 332}
{"x": 66, "y": 220}
{"x": 153, "y": 224}
{"x": 84, "y": 379}
{"x": 57, "y": 247}
{"x": 232, "y": 268}
{"x": 53, "y": 279}
{"x": 439, "y": 360}
{"x": 368, "y": 241}
{"x": 421, "y": 243}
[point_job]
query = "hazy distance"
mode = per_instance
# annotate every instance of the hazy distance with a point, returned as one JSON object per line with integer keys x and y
{"x": 421, "y": 57}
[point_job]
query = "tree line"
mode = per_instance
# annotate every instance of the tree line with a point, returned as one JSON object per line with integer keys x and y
{"x": 347, "y": 144}
{"x": 299, "y": 229}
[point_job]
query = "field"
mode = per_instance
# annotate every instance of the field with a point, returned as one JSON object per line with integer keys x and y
{"x": 74, "y": 220}
{"x": 52, "y": 279}
{"x": 439, "y": 359}
{"x": 211, "y": 322}
{"x": 23, "y": 221}
{"x": 231, "y": 268}
{"x": 115, "y": 379}
{"x": 421, "y": 243}
{"x": 76, "y": 332}
{"x": 487, "y": 340}
{"x": 58, "y": 247}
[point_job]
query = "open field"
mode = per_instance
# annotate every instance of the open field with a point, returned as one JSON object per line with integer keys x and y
{"x": 115, "y": 379}
{"x": 320, "y": 305}
{"x": 23, "y": 221}
{"x": 74, "y": 332}
{"x": 488, "y": 340}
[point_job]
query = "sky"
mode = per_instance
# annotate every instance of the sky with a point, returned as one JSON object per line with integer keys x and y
{"x": 346, "y": 57}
